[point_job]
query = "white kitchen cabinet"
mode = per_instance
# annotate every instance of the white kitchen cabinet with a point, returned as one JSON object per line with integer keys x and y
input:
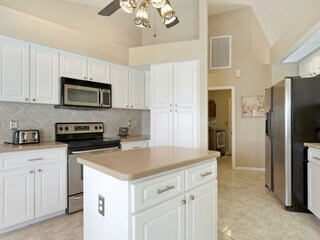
{"x": 313, "y": 181}
{"x": 44, "y": 75}
{"x": 147, "y": 90}
{"x": 127, "y": 87}
{"x": 174, "y": 85}
{"x": 317, "y": 63}
{"x": 165, "y": 221}
{"x": 132, "y": 145}
{"x": 310, "y": 66}
{"x": 16, "y": 196}
{"x": 14, "y": 70}
{"x": 202, "y": 212}
{"x": 51, "y": 191}
{"x": 83, "y": 68}
{"x": 174, "y": 127}
{"x": 99, "y": 71}
{"x": 32, "y": 185}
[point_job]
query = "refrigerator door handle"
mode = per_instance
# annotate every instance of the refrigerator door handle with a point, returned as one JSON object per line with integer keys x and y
{"x": 268, "y": 124}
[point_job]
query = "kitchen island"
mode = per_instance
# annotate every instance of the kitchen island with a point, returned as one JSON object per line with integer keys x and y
{"x": 151, "y": 194}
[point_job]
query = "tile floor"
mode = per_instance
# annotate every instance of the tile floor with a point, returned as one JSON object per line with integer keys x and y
{"x": 247, "y": 210}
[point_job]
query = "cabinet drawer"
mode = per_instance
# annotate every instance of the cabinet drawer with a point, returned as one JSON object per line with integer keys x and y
{"x": 30, "y": 158}
{"x": 314, "y": 155}
{"x": 154, "y": 191}
{"x": 134, "y": 145}
{"x": 201, "y": 174}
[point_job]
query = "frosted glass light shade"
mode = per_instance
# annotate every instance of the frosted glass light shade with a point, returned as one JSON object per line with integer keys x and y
{"x": 128, "y": 6}
{"x": 158, "y": 3}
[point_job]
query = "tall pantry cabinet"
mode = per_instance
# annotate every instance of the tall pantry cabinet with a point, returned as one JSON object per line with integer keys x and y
{"x": 174, "y": 104}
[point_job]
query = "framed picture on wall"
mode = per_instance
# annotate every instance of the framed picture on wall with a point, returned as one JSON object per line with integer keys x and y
{"x": 252, "y": 106}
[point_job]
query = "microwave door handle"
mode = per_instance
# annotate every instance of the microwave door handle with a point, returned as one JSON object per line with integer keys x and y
{"x": 101, "y": 97}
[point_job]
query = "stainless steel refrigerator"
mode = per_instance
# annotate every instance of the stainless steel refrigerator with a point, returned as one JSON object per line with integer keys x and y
{"x": 292, "y": 118}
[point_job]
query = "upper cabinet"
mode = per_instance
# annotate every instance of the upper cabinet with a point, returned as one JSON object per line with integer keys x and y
{"x": 147, "y": 90}
{"x": 44, "y": 75}
{"x": 310, "y": 66}
{"x": 174, "y": 85}
{"x": 14, "y": 70}
{"x": 127, "y": 87}
{"x": 80, "y": 67}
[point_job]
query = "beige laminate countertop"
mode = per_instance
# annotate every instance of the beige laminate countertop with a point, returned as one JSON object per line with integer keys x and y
{"x": 32, "y": 146}
{"x": 132, "y": 138}
{"x": 312, "y": 145}
{"x": 135, "y": 164}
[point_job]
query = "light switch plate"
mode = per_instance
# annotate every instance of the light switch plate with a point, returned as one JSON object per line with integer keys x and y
{"x": 101, "y": 205}
{"x": 13, "y": 125}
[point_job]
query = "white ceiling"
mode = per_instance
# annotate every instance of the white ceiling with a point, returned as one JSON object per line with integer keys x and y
{"x": 221, "y": 6}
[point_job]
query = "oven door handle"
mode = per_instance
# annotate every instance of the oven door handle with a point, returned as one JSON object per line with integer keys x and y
{"x": 96, "y": 150}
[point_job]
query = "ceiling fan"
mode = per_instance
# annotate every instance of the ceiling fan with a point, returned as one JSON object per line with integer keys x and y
{"x": 163, "y": 7}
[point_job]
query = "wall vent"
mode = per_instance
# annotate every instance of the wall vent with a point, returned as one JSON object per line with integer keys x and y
{"x": 220, "y": 52}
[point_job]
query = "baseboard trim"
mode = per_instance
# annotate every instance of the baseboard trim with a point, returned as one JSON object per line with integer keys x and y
{"x": 250, "y": 169}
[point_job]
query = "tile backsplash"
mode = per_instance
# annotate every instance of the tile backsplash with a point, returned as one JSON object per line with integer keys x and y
{"x": 43, "y": 118}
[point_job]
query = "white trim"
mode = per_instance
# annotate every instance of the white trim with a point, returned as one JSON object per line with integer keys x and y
{"x": 250, "y": 169}
{"x": 230, "y": 52}
{"x": 233, "y": 127}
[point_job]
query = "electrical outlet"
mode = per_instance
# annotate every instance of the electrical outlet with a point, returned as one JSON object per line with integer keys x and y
{"x": 13, "y": 125}
{"x": 101, "y": 205}
{"x": 129, "y": 123}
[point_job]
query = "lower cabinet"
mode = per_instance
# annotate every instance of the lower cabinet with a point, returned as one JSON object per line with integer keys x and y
{"x": 32, "y": 186}
{"x": 125, "y": 146}
{"x": 313, "y": 188}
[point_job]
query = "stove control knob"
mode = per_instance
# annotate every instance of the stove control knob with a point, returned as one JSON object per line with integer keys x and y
{"x": 96, "y": 127}
{"x": 100, "y": 127}
{"x": 66, "y": 128}
{"x": 60, "y": 128}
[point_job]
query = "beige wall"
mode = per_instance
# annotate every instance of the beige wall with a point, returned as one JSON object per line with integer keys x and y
{"x": 187, "y": 29}
{"x": 36, "y": 30}
{"x": 249, "y": 53}
{"x": 221, "y": 121}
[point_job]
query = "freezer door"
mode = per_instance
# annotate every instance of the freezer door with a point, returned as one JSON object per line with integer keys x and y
{"x": 268, "y": 145}
{"x": 281, "y": 141}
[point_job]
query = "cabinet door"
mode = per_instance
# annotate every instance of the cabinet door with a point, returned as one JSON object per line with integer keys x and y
{"x": 147, "y": 90}
{"x": 120, "y": 86}
{"x": 161, "y": 127}
{"x": 186, "y": 127}
{"x": 313, "y": 188}
{"x": 161, "y": 86}
{"x": 44, "y": 75}
{"x": 202, "y": 213}
{"x": 126, "y": 146}
{"x": 16, "y": 196}
{"x": 73, "y": 66}
{"x": 50, "y": 189}
{"x": 307, "y": 68}
{"x": 186, "y": 84}
{"x": 165, "y": 221}
{"x": 99, "y": 71}
{"x": 317, "y": 63}
{"x": 136, "y": 89}
{"x": 14, "y": 70}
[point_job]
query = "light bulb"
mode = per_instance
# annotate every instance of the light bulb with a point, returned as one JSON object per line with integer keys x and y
{"x": 128, "y": 6}
{"x": 158, "y": 3}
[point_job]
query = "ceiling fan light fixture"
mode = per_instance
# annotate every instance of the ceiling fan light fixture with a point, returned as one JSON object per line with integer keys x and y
{"x": 168, "y": 14}
{"x": 158, "y": 3}
{"x": 142, "y": 19}
{"x": 129, "y": 6}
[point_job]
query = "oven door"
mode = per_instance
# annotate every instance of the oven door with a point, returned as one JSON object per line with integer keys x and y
{"x": 81, "y": 96}
{"x": 75, "y": 178}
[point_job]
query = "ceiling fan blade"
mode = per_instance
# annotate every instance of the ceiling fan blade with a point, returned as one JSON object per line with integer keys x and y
{"x": 111, "y": 8}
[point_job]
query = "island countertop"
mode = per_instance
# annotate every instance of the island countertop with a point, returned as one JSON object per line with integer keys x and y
{"x": 312, "y": 145}
{"x": 135, "y": 164}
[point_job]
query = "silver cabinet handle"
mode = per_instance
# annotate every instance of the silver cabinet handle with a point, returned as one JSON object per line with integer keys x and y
{"x": 136, "y": 147}
{"x": 191, "y": 197}
{"x": 127, "y": 106}
{"x": 26, "y": 99}
{"x": 33, "y": 99}
{"x": 176, "y": 105}
{"x": 90, "y": 78}
{"x": 39, "y": 170}
{"x": 205, "y": 174}
{"x": 35, "y": 159}
{"x": 165, "y": 190}
{"x": 85, "y": 77}
{"x": 31, "y": 171}
{"x": 77, "y": 198}
{"x": 183, "y": 202}
{"x": 131, "y": 106}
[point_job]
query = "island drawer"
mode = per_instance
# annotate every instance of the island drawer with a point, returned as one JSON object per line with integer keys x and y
{"x": 31, "y": 158}
{"x": 156, "y": 190}
{"x": 314, "y": 156}
{"x": 201, "y": 174}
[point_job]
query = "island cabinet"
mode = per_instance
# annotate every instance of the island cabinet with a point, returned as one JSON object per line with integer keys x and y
{"x": 177, "y": 204}
{"x": 313, "y": 181}
{"x": 32, "y": 186}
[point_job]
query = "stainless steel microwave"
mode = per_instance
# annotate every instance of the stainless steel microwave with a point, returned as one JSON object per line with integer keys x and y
{"x": 84, "y": 94}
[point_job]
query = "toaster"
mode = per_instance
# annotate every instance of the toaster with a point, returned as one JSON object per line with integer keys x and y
{"x": 25, "y": 136}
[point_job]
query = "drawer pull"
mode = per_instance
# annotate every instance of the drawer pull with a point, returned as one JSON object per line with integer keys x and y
{"x": 165, "y": 190}
{"x": 184, "y": 202}
{"x": 316, "y": 158}
{"x": 136, "y": 147}
{"x": 35, "y": 159}
{"x": 205, "y": 174}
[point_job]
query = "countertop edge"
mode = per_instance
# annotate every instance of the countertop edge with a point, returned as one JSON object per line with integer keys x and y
{"x": 312, "y": 145}
{"x": 131, "y": 177}
{"x": 10, "y": 148}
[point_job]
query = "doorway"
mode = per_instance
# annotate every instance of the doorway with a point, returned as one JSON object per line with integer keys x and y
{"x": 221, "y": 121}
